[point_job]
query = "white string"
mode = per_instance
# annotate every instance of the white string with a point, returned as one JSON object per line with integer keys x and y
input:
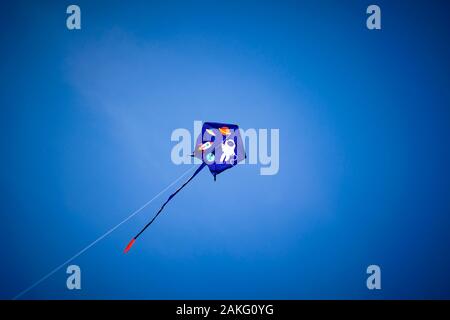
{"x": 100, "y": 238}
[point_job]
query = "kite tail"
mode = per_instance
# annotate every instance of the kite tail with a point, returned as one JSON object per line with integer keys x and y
{"x": 130, "y": 244}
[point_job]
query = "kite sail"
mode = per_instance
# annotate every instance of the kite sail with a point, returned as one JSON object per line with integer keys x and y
{"x": 220, "y": 147}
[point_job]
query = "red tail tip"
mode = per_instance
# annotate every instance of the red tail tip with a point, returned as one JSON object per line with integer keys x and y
{"x": 129, "y": 246}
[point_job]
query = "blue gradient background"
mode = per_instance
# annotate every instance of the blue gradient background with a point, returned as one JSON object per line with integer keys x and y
{"x": 86, "y": 119}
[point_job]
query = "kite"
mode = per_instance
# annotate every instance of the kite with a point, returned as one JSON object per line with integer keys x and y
{"x": 219, "y": 147}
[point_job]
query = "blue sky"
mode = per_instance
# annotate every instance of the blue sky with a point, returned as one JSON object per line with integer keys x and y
{"x": 86, "y": 120}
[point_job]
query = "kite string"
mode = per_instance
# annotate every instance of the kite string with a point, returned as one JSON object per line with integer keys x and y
{"x": 100, "y": 238}
{"x": 170, "y": 198}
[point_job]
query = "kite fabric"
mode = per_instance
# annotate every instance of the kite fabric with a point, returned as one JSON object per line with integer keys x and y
{"x": 220, "y": 147}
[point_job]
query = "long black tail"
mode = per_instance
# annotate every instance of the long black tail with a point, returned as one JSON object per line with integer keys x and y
{"x": 130, "y": 244}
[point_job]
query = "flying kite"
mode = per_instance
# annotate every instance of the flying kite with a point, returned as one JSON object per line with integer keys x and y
{"x": 220, "y": 147}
